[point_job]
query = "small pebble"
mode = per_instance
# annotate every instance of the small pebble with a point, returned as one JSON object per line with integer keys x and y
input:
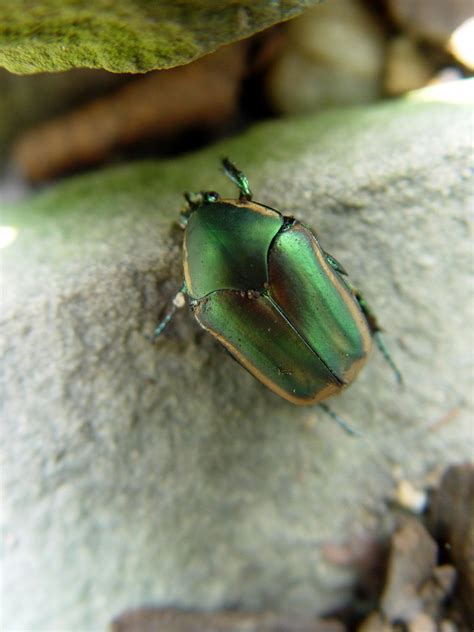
{"x": 448, "y": 626}
{"x": 408, "y": 497}
{"x": 422, "y": 623}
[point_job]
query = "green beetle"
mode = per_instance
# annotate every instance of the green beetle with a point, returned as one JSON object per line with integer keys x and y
{"x": 261, "y": 284}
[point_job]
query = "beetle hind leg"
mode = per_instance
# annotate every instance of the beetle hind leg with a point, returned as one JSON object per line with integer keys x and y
{"x": 334, "y": 263}
{"x": 238, "y": 178}
{"x": 177, "y": 303}
{"x": 376, "y": 330}
{"x": 339, "y": 420}
{"x": 380, "y": 342}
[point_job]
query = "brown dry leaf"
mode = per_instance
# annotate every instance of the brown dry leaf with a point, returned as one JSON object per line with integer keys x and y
{"x": 158, "y": 104}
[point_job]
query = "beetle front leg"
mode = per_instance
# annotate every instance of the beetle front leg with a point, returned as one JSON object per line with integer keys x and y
{"x": 376, "y": 330}
{"x": 194, "y": 201}
{"x": 178, "y": 302}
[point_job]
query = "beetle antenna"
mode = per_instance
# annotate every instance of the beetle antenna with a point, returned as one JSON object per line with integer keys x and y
{"x": 340, "y": 421}
{"x": 177, "y": 303}
{"x": 238, "y": 177}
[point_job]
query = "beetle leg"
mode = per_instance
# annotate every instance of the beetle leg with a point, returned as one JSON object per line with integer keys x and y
{"x": 334, "y": 263}
{"x": 193, "y": 201}
{"x": 177, "y": 303}
{"x": 380, "y": 342}
{"x": 339, "y": 420}
{"x": 238, "y": 178}
{"x": 376, "y": 330}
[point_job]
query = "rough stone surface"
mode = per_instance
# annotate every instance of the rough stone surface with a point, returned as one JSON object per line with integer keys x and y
{"x": 163, "y": 474}
{"x": 127, "y": 35}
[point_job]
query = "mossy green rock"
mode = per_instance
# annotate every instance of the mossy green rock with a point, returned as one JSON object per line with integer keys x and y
{"x": 127, "y": 35}
{"x": 162, "y": 473}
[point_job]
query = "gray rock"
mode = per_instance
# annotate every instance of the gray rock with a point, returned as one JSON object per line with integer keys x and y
{"x": 334, "y": 56}
{"x": 406, "y": 67}
{"x": 164, "y": 474}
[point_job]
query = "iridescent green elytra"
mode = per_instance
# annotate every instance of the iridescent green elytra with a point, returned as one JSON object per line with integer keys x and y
{"x": 263, "y": 286}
